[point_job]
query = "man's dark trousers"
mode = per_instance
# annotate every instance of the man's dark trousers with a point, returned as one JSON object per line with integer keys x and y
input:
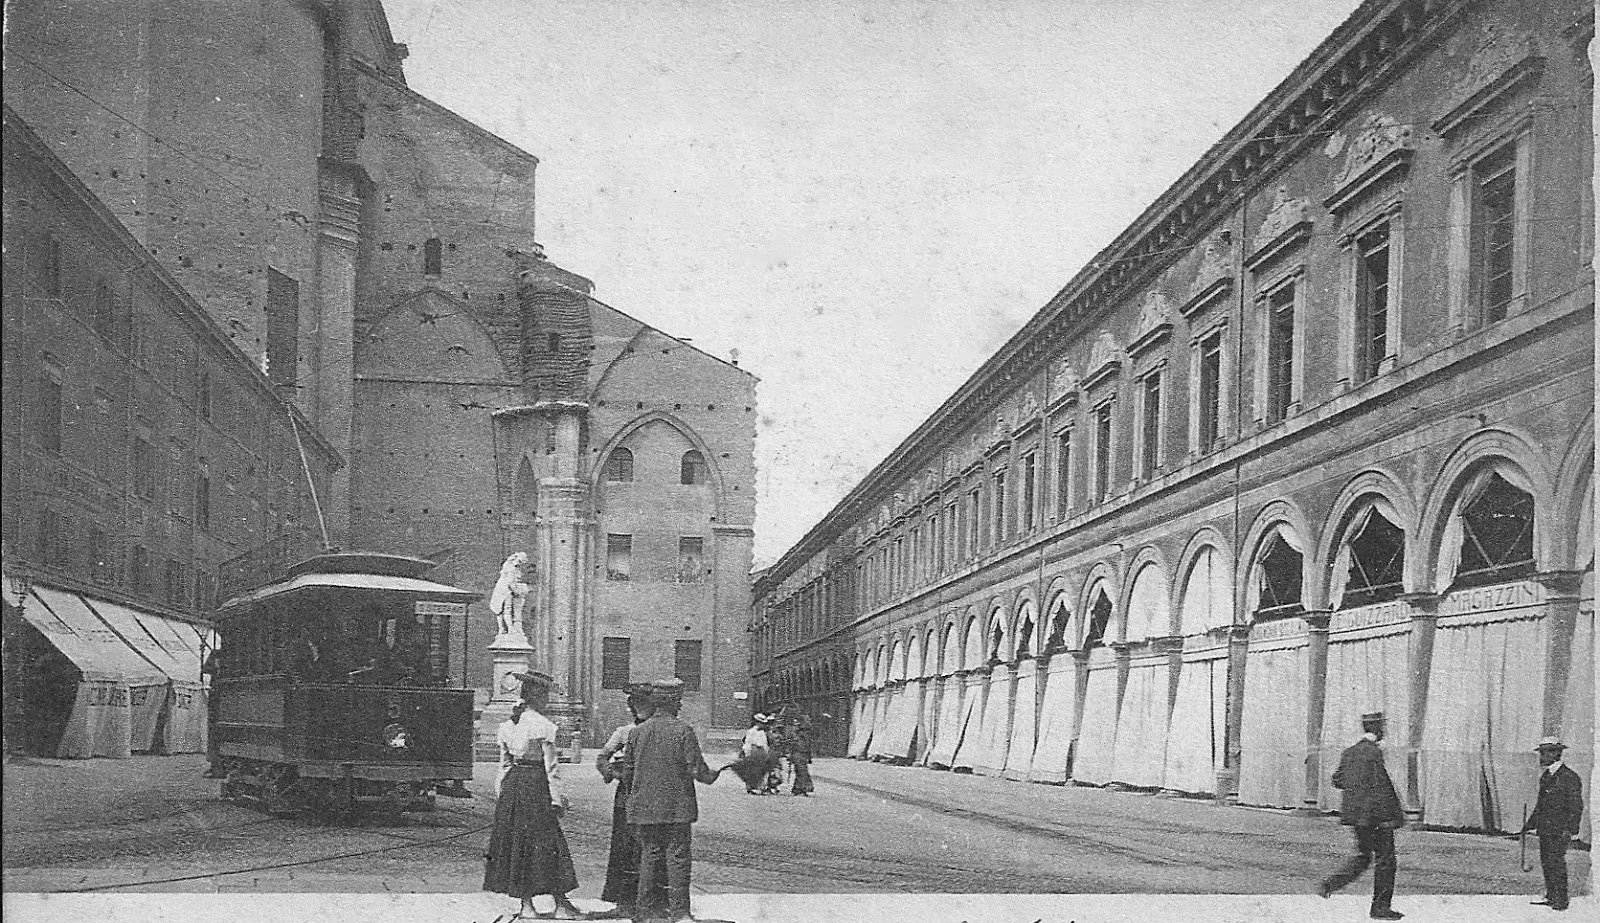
{"x": 673, "y": 842}
{"x": 1553, "y": 857}
{"x": 1374, "y": 847}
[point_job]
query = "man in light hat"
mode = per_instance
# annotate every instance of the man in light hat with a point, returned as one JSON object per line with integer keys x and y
{"x": 1555, "y": 815}
{"x": 663, "y": 760}
{"x": 1372, "y": 807}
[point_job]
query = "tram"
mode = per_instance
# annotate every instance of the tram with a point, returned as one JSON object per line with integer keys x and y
{"x": 331, "y": 694}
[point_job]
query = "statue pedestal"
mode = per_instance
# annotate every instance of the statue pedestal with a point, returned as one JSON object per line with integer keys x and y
{"x": 512, "y": 654}
{"x": 569, "y": 716}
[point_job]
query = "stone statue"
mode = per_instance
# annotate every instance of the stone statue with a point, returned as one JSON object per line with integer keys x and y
{"x": 510, "y": 595}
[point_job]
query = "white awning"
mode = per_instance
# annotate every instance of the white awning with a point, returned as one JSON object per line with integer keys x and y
{"x": 92, "y": 646}
{"x": 153, "y": 637}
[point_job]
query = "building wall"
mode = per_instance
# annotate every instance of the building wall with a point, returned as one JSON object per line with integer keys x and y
{"x": 137, "y": 361}
{"x": 1396, "y": 118}
{"x": 246, "y": 136}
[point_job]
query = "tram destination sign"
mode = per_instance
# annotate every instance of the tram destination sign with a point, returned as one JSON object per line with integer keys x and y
{"x": 431, "y": 607}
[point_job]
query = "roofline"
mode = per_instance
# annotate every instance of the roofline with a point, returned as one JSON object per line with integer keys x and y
{"x": 1098, "y": 272}
{"x": 400, "y": 84}
{"x": 21, "y": 140}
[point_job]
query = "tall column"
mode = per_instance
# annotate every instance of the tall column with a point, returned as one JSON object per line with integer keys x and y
{"x": 1228, "y": 775}
{"x": 560, "y": 540}
{"x": 331, "y": 396}
{"x": 1424, "y": 626}
{"x": 1316, "y": 697}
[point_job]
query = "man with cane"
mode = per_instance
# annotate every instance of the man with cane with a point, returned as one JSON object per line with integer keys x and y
{"x": 1555, "y": 816}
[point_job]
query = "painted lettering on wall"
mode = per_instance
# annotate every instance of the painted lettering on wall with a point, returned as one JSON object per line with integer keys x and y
{"x": 1488, "y": 598}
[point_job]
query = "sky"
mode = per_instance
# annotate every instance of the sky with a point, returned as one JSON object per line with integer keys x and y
{"x": 858, "y": 200}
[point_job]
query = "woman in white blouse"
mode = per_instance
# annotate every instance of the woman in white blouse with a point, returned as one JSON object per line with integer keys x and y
{"x": 528, "y": 853}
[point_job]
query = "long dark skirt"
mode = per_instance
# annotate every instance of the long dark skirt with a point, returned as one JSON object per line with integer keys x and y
{"x": 753, "y": 769}
{"x": 622, "y": 865}
{"x": 528, "y": 853}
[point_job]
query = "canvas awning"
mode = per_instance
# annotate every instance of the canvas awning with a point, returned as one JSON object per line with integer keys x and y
{"x": 153, "y": 637}
{"x": 83, "y": 638}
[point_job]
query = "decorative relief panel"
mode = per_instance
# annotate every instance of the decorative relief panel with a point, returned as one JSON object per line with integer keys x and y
{"x": 1499, "y": 60}
{"x": 1153, "y": 323}
{"x": 1287, "y": 223}
{"x": 1063, "y": 380}
{"x": 1105, "y": 359}
{"x": 1380, "y": 152}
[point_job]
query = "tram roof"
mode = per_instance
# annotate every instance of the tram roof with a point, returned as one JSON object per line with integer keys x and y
{"x": 379, "y": 583}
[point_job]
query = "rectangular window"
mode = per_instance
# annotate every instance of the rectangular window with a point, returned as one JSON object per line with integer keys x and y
{"x": 1030, "y": 486}
{"x": 1210, "y": 392}
{"x": 686, "y": 664}
{"x": 1000, "y": 534}
{"x": 202, "y": 495}
{"x": 177, "y": 587}
{"x": 205, "y": 590}
{"x": 614, "y": 657}
{"x": 139, "y": 569}
{"x": 99, "y": 556}
{"x": 1063, "y": 473}
{"x": 105, "y": 310}
{"x": 1496, "y": 236}
{"x": 1280, "y": 352}
{"x": 1102, "y": 452}
{"x": 283, "y": 328}
{"x": 1150, "y": 431}
{"x": 49, "y": 543}
{"x": 691, "y": 559}
{"x": 952, "y": 531}
{"x": 619, "y": 557}
{"x": 50, "y": 408}
{"x": 974, "y": 521}
{"x": 1372, "y": 302}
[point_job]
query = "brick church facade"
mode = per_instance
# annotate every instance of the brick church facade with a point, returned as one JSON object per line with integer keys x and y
{"x": 373, "y": 256}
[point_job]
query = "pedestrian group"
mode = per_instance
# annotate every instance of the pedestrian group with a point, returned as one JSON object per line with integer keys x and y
{"x": 1371, "y": 807}
{"x": 656, "y": 760}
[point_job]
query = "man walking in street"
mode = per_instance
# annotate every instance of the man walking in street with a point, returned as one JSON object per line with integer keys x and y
{"x": 663, "y": 760}
{"x": 1555, "y": 815}
{"x": 1372, "y": 806}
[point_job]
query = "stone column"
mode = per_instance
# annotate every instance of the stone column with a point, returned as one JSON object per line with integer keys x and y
{"x": 1563, "y": 592}
{"x": 1316, "y": 698}
{"x": 330, "y": 399}
{"x": 561, "y": 544}
{"x": 1424, "y": 609}
{"x": 1228, "y": 775}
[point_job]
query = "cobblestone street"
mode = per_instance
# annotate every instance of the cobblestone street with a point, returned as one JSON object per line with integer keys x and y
{"x": 152, "y": 824}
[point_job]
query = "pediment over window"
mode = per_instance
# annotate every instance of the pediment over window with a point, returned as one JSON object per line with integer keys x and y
{"x": 1501, "y": 61}
{"x": 1064, "y": 383}
{"x": 1153, "y": 324}
{"x": 1379, "y": 155}
{"x": 1288, "y": 224}
{"x": 1105, "y": 359}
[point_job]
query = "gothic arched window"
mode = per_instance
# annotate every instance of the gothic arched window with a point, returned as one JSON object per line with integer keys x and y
{"x": 619, "y": 465}
{"x": 693, "y": 469}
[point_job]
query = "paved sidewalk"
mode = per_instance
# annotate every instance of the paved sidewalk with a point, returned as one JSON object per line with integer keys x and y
{"x": 792, "y": 908}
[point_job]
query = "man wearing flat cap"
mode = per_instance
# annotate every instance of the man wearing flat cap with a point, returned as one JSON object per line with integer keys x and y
{"x": 663, "y": 760}
{"x": 1372, "y": 807}
{"x": 1555, "y": 815}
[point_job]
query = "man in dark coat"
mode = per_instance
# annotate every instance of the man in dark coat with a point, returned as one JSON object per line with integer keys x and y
{"x": 663, "y": 761}
{"x": 1555, "y": 815}
{"x": 1371, "y": 806}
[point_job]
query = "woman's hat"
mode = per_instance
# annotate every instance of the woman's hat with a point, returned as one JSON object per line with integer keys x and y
{"x": 761, "y": 718}
{"x": 533, "y": 680}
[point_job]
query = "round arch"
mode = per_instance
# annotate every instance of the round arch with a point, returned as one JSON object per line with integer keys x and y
{"x": 1376, "y": 489}
{"x": 1575, "y": 491}
{"x": 1028, "y": 635}
{"x": 1498, "y": 448}
{"x": 1279, "y": 517}
{"x": 972, "y": 641}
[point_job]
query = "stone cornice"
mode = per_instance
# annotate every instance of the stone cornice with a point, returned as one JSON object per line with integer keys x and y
{"x": 1378, "y": 39}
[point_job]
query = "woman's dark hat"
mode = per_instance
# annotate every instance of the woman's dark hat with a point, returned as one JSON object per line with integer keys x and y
{"x": 535, "y": 681}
